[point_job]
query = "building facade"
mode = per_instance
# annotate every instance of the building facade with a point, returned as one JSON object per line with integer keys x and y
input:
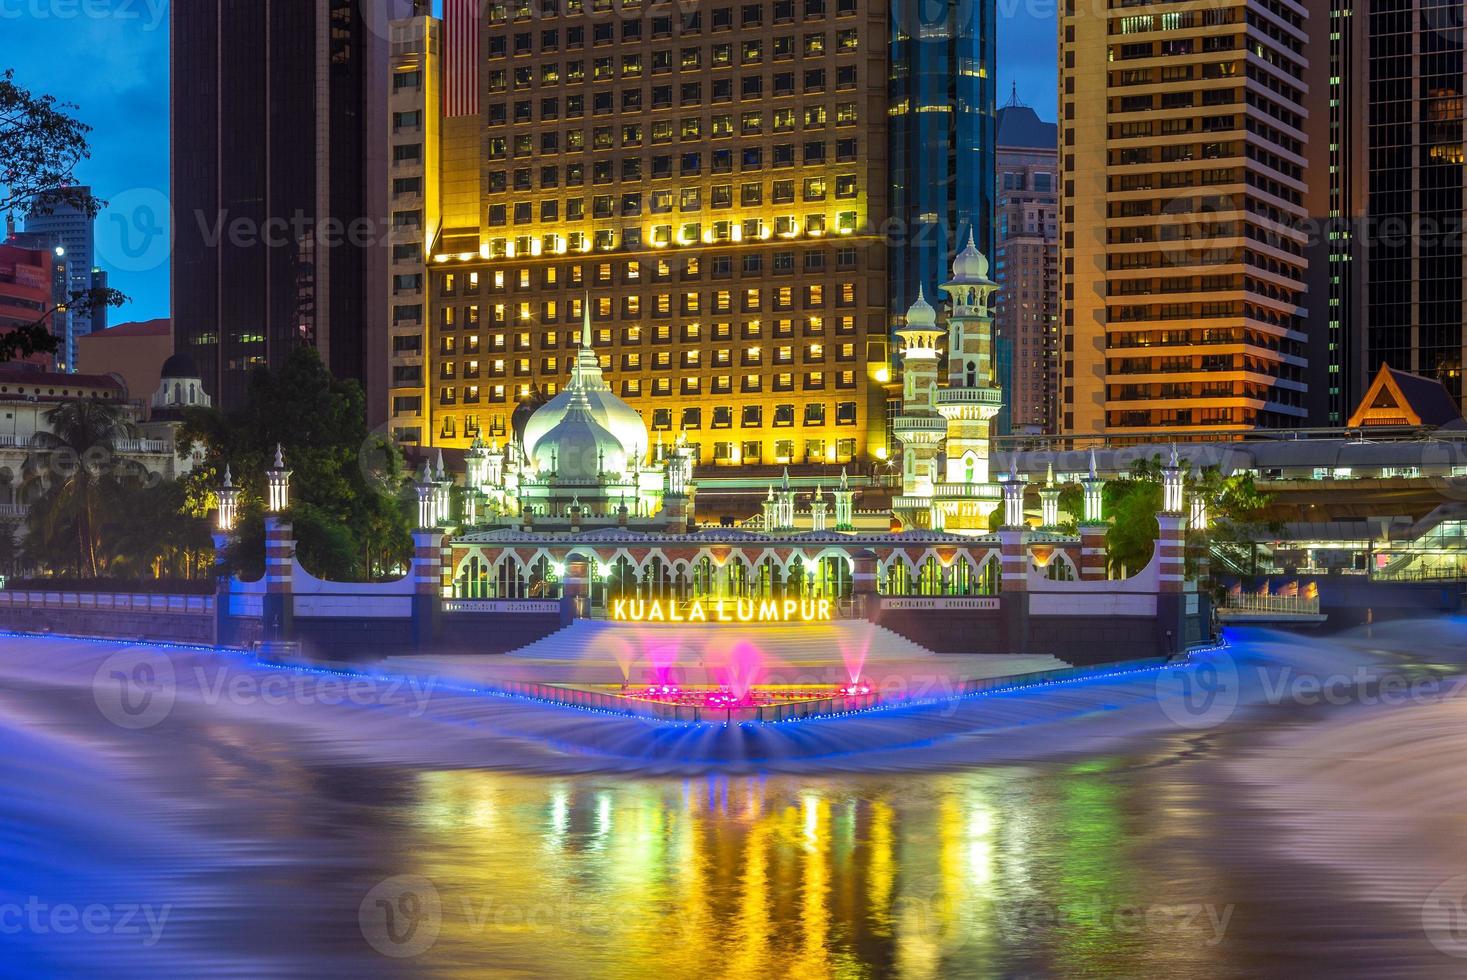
{"x": 1393, "y": 238}
{"x": 62, "y": 224}
{"x": 279, "y": 200}
{"x": 27, "y": 290}
{"x": 1183, "y": 251}
{"x": 712, "y": 181}
{"x": 1026, "y": 268}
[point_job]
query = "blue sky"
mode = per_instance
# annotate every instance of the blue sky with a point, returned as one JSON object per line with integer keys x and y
{"x": 110, "y": 57}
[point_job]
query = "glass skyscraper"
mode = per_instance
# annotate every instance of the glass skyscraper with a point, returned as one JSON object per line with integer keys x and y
{"x": 941, "y": 137}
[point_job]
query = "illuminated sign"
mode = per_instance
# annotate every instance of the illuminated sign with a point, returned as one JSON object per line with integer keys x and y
{"x": 721, "y": 611}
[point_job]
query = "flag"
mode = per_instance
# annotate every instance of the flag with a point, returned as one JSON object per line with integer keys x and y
{"x": 1289, "y": 591}
{"x": 461, "y": 58}
{"x": 1311, "y": 590}
{"x": 1236, "y": 589}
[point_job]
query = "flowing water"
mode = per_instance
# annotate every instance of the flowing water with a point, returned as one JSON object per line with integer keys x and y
{"x": 175, "y": 812}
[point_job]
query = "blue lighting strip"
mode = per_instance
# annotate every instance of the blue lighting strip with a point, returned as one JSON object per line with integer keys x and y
{"x": 918, "y": 703}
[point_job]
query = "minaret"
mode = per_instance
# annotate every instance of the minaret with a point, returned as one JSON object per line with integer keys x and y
{"x": 228, "y": 495}
{"x": 818, "y": 508}
{"x": 919, "y": 428}
{"x": 843, "y": 501}
{"x": 972, "y": 397}
{"x": 784, "y": 504}
{"x": 277, "y": 483}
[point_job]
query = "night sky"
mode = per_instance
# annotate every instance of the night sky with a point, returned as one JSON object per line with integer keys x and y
{"x": 115, "y": 68}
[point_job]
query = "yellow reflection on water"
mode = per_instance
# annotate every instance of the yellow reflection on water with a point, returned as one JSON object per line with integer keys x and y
{"x": 917, "y": 876}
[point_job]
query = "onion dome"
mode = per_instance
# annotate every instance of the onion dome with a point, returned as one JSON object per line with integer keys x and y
{"x": 578, "y": 446}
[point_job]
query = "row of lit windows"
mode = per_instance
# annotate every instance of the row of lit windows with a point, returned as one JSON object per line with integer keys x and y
{"x": 750, "y": 300}
{"x": 719, "y": 55}
{"x": 687, "y": 233}
{"x": 664, "y": 387}
{"x": 813, "y": 152}
{"x": 688, "y": 359}
{"x": 605, "y": 273}
{"x": 688, "y": 21}
{"x": 523, "y": 145}
{"x": 687, "y": 199}
{"x": 634, "y": 334}
{"x": 751, "y": 122}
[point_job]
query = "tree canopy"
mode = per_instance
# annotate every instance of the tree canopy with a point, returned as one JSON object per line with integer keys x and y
{"x": 41, "y": 145}
{"x": 351, "y": 520}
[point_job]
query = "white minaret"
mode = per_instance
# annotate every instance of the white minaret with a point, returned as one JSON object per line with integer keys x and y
{"x": 1094, "y": 488}
{"x": 228, "y": 503}
{"x": 425, "y": 488}
{"x": 919, "y": 427}
{"x": 277, "y": 484}
{"x": 972, "y": 398}
{"x": 1171, "y": 485}
{"x": 844, "y": 497}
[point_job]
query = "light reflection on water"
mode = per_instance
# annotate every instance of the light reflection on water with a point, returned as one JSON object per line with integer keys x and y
{"x": 918, "y": 876}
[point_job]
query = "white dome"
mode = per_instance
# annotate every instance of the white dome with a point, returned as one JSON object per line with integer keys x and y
{"x": 970, "y": 266}
{"x": 921, "y": 313}
{"x": 607, "y": 409}
{"x": 578, "y": 447}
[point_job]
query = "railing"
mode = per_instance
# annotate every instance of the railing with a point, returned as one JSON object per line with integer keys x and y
{"x": 1272, "y": 603}
{"x": 14, "y": 510}
{"x": 108, "y": 602}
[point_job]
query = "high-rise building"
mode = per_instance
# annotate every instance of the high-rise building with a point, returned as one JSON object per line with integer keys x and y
{"x": 1026, "y": 268}
{"x": 714, "y": 180}
{"x": 27, "y": 291}
{"x": 1392, "y": 235}
{"x": 1183, "y": 159}
{"x": 278, "y": 187}
{"x": 57, "y": 222}
{"x": 942, "y": 137}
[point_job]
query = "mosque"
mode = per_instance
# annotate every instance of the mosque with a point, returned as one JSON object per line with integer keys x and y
{"x": 580, "y": 515}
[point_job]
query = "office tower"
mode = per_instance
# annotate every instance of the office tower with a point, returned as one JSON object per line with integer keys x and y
{"x": 27, "y": 290}
{"x": 279, "y": 188}
{"x": 56, "y": 222}
{"x": 942, "y": 137}
{"x": 1182, "y": 161}
{"x": 1026, "y": 268}
{"x": 99, "y": 310}
{"x": 714, "y": 180}
{"x": 1393, "y": 237}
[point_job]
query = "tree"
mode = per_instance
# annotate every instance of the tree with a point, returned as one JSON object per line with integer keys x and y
{"x": 82, "y": 452}
{"x": 151, "y": 535}
{"x": 351, "y": 521}
{"x": 41, "y": 145}
{"x": 1238, "y": 520}
{"x": 10, "y": 554}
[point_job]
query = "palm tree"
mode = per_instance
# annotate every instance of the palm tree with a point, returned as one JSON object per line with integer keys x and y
{"x": 83, "y": 441}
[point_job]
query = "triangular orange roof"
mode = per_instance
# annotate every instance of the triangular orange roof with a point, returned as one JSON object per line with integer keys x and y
{"x": 1400, "y": 398}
